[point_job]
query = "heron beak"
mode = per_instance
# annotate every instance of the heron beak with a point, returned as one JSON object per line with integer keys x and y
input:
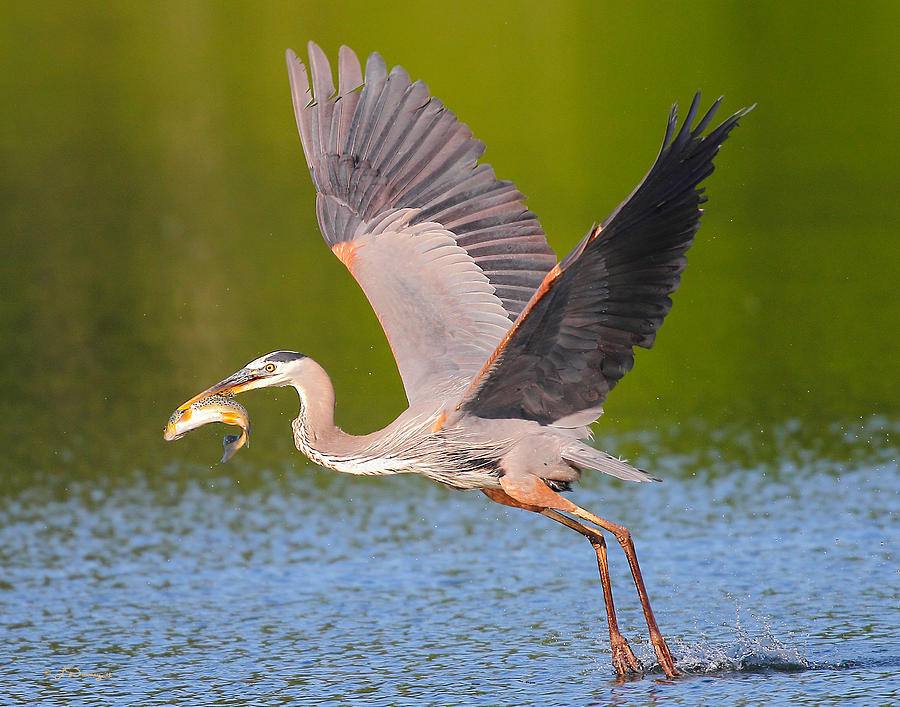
{"x": 242, "y": 381}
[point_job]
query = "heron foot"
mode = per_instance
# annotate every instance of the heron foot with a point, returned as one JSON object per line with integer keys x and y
{"x": 623, "y": 657}
{"x": 664, "y": 656}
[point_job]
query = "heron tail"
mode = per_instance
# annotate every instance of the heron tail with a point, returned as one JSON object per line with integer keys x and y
{"x": 589, "y": 458}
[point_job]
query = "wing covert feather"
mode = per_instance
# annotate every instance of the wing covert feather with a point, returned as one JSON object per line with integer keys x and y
{"x": 439, "y": 311}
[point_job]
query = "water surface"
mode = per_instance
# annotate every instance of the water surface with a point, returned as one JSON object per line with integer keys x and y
{"x": 774, "y": 583}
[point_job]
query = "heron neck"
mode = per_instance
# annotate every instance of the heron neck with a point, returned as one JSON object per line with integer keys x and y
{"x": 315, "y": 433}
{"x": 317, "y": 413}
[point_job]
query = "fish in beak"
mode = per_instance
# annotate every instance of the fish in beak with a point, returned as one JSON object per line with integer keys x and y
{"x": 217, "y": 404}
{"x": 212, "y": 408}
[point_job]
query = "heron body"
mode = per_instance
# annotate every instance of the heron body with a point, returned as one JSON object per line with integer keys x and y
{"x": 505, "y": 354}
{"x": 410, "y": 444}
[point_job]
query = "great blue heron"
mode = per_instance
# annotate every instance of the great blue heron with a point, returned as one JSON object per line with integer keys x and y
{"x": 506, "y": 355}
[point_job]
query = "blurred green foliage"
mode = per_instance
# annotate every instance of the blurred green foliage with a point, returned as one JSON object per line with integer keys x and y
{"x": 159, "y": 230}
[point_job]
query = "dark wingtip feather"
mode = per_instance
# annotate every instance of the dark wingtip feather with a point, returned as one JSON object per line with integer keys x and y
{"x": 705, "y": 120}
{"x": 576, "y": 338}
{"x": 685, "y": 133}
{"x": 670, "y": 127}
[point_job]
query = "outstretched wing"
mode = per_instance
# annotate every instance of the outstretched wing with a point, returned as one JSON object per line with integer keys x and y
{"x": 447, "y": 255}
{"x": 576, "y": 337}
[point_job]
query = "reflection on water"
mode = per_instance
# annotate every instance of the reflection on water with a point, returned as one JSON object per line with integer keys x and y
{"x": 274, "y": 583}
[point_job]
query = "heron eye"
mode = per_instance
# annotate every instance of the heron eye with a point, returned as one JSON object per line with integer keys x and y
{"x": 270, "y": 368}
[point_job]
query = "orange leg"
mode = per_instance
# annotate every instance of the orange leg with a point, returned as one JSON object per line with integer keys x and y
{"x": 530, "y": 491}
{"x": 623, "y": 657}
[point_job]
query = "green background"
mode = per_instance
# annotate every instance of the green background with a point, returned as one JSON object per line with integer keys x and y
{"x": 158, "y": 223}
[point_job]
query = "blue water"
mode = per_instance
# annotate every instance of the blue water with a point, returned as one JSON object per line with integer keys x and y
{"x": 774, "y": 581}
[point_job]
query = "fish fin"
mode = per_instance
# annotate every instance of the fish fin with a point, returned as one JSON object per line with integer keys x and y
{"x": 228, "y": 443}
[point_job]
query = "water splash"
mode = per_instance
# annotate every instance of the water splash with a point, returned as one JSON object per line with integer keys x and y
{"x": 749, "y": 649}
{"x": 757, "y": 651}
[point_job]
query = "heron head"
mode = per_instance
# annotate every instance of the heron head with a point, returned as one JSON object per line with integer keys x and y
{"x": 279, "y": 368}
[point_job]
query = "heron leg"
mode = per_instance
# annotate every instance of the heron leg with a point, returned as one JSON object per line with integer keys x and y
{"x": 623, "y": 657}
{"x": 530, "y": 490}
